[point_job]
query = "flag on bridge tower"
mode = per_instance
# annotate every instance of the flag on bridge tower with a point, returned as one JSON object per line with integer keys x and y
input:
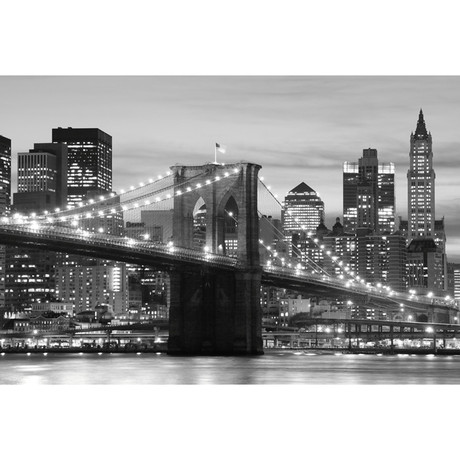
{"x": 219, "y": 148}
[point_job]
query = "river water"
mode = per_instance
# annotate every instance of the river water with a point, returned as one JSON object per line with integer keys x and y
{"x": 278, "y": 368}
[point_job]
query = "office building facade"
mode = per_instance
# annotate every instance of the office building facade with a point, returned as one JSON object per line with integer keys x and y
{"x": 89, "y": 161}
{"x": 5, "y": 175}
{"x": 421, "y": 183}
{"x": 42, "y": 178}
{"x": 42, "y": 186}
{"x": 303, "y": 210}
{"x": 368, "y": 194}
{"x": 5, "y": 202}
{"x": 94, "y": 284}
{"x": 422, "y": 223}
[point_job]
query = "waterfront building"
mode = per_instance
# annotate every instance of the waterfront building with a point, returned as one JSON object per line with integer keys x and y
{"x": 49, "y": 322}
{"x": 93, "y": 284}
{"x": 279, "y": 305}
{"x": 332, "y": 309}
{"x": 30, "y": 277}
{"x": 368, "y": 194}
{"x": 62, "y": 308}
{"x": 298, "y": 305}
{"x": 270, "y": 302}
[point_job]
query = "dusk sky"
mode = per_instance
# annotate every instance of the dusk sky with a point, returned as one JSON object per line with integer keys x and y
{"x": 297, "y": 128}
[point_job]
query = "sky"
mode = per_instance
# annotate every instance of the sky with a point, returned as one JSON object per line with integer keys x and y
{"x": 297, "y": 128}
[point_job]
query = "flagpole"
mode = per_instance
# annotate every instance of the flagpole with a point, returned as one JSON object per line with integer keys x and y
{"x": 215, "y": 153}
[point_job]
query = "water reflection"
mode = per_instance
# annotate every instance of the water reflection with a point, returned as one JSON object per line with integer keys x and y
{"x": 281, "y": 368}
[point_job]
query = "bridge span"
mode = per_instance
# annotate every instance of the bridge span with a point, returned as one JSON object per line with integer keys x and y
{"x": 215, "y": 298}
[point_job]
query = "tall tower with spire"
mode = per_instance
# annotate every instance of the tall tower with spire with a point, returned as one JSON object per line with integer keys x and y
{"x": 420, "y": 184}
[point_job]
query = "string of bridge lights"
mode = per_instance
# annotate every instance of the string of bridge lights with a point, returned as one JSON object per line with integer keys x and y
{"x": 290, "y": 263}
{"x": 137, "y": 203}
{"x": 335, "y": 259}
{"x": 380, "y": 287}
{"x": 132, "y": 204}
{"x": 282, "y": 259}
{"x": 101, "y": 198}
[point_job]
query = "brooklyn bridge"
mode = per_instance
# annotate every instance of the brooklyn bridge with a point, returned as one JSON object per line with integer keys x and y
{"x": 215, "y": 287}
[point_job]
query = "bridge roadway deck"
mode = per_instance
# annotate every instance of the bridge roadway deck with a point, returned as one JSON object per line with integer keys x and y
{"x": 110, "y": 247}
{"x": 163, "y": 256}
{"x": 289, "y": 278}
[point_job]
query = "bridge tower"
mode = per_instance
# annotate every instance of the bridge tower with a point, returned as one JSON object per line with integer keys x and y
{"x": 217, "y": 312}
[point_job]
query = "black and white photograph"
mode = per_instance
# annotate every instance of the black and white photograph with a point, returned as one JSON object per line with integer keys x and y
{"x": 229, "y": 230}
{"x": 311, "y": 236}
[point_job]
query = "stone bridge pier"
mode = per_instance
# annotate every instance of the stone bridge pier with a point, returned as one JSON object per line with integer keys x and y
{"x": 217, "y": 311}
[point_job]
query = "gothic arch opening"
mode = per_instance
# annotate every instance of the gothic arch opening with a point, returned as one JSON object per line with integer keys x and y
{"x": 230, "y": 230}
{"x": 199, "y": 224}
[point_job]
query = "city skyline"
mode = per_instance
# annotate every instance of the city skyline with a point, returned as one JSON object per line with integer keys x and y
{"x": 303, "y": 127}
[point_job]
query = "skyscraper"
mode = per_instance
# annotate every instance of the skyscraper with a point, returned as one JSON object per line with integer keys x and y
{"x": 42, "y": 185}
{"x": 420, "y": 181}
{"x": 86, "y": 281}
{"x": 421, "y": 211}
{"x": 368, "y": 194}
{"x": 5, "y": 198}
{"x": 303, "y": 210}
{"x": 89, "y": 161}
{"x": 42, "y": 178}
{"x": 5, "y": 174}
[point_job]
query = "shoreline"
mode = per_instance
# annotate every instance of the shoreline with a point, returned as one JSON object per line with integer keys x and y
{"x": 306, "y": 350}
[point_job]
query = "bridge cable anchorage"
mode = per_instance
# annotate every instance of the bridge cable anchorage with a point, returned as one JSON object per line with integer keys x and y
{"x": 131, "y": 204}
{"x": 385, "y": 291}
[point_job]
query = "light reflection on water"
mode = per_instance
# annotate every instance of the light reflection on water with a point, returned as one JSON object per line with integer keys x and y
{"x": 271, "y": 368}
